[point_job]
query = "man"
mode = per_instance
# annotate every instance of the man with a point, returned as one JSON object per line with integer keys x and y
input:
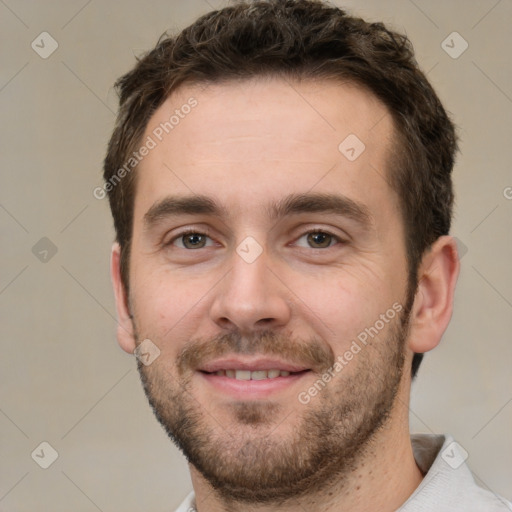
{"x": 279, "y": 178}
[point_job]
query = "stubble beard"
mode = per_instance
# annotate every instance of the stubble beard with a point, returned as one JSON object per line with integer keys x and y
{"x": 249, "y": 461}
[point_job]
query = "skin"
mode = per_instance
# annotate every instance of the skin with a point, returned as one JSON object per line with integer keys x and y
{"x": 244, "y": 145}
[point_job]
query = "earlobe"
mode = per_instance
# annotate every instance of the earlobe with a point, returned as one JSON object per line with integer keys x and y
{"x": 433, "y": 303}
{"x": 125, "y": 331}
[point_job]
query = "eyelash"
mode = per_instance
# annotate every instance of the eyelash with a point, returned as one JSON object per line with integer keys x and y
{"x": 206, "y": 233}
{"x": 185, "y": 233}
{"x": 336, "y": 238}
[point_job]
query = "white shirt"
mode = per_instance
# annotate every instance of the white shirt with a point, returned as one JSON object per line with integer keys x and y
{"x": 448, "y": 484}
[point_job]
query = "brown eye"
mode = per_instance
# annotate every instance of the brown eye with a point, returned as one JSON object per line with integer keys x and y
{"x": 190, "y": 240}
{"x": 193, "y": 240}
{"x": 320, "y": 239}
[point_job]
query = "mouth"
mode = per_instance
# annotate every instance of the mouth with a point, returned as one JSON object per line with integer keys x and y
{"x": 251, "y": 379}
{"x": 253, "y": 375}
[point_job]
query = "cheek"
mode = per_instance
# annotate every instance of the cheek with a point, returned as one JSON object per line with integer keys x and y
{"x": 164, "y": 308}
{"x": 343, "y": 307}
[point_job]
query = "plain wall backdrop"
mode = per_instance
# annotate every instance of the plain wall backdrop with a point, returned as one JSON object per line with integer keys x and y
{"x": 65, "y": 381}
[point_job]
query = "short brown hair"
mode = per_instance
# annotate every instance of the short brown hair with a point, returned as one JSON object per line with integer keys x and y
{"x": 302, "y": 39}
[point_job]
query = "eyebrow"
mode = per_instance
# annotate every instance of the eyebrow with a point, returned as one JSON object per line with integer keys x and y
{"x": 292, "y": 204}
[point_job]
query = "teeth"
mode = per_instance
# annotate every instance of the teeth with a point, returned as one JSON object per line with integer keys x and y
{"x": 259, "y": 375}
{"x": 255, "y": 375}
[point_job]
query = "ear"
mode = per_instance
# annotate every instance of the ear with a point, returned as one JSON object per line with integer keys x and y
{"x": 433, "y": 302}
{"x": 125, "y": 331}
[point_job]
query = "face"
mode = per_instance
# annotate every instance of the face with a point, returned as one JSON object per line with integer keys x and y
{"x": 268, "y": 266}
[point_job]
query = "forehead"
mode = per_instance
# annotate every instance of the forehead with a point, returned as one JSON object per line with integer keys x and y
{"x": 249, "y": 139}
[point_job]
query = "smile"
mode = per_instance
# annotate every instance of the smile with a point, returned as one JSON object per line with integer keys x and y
{"x": 252, "y": 375}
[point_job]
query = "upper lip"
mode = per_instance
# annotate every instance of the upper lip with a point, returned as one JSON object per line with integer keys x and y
{"x": 255, "y": 364}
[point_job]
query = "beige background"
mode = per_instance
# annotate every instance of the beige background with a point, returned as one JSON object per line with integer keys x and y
{"x": 63, "y": 378}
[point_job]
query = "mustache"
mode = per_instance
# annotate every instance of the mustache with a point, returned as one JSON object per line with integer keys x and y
{"x": 313, "y": 353}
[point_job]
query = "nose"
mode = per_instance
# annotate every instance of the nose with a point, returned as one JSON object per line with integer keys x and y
{"x": 251, "y": 297}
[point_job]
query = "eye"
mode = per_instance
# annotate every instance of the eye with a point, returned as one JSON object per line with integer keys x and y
{"x": 319, "y": 239}
{"x": 190, "y": 240}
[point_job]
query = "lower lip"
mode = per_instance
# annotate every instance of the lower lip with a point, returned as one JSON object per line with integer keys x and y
{"x": 252, "y": 389}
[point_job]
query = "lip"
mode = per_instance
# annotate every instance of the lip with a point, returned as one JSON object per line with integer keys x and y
{"x": 251, "y": 389}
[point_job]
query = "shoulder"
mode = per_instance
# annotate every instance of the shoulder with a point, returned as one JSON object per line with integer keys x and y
{"x": 448, "y": 484}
